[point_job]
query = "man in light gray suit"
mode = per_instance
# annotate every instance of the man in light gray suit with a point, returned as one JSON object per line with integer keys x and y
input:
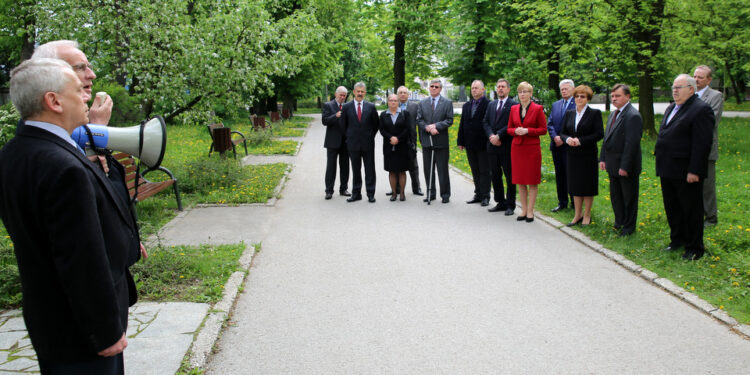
{"x": 715, "y": 100}
{"x": 621, "y": 158}
{"x": 434, "y": 117}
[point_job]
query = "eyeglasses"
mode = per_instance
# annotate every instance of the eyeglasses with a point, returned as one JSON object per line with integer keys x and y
{"x": 82, "y": 67}
{"x": 675, "y": 88}
{"x": 434, "y": 86}
{"x": 582, "y": 96}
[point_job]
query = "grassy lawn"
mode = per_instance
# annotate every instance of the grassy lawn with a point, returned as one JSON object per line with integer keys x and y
{"x": 189, "y": 273}
{"x": 731, "y": 105}
{"x": 722, "y": 276}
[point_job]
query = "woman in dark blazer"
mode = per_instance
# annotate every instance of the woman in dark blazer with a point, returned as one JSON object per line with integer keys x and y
{"x": 526, "y": 123}
{"x": 582, "y": 129}
{"x": 394, "y": 126}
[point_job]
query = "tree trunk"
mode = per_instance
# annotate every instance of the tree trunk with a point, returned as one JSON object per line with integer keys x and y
{"x": 553, "y": 67}
{"x": 646, "y": 103}
{"x": 27, "y": 49}
{"x": 399, "y": 60}
{"x": 648, "y": 34}
{"x": 187, "y": 107}
{"x": 738, "y": 95}
{"x": 477, "y": 60}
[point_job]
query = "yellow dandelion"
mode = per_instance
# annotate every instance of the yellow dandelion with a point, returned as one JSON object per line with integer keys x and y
{"x": 735, "y": 283}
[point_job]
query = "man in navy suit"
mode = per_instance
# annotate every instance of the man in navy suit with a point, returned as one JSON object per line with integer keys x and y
{"x": 557, "y": 146}
{"x": 498, "y": 148}
{"x": 335, "y": 144}
{"x": 74, "y": 236}
{"x": 471, "y": 138}
{"x": 681, "y": 154}
{"x": 360, "y": 126}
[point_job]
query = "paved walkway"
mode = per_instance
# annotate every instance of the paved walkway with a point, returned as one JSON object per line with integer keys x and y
{"x": 406, "y": 288}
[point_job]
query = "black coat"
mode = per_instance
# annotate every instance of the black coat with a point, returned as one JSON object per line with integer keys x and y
{"x": 360, "y": 135}
{"x": 334, "y": 134}
{"x": 498, "y": 125}
{"x": 621, "y": 148}
{"x": 470, "y": 129}
{"x": 589, "y": 132}
{"x": 683, "y": 145}
{"x": 74, "y": 239}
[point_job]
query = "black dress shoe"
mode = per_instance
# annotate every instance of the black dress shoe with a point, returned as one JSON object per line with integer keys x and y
{"x": 692, "y": 255}
{"x": 498, "y": 207}
{"x": 446, "y": 200}
{"x": 345, "y": 193}
{"x": 403, "y": 198}
{"x": 329, "y": 196}
{"x": 371, "y": 199}
{"x": 529, "y": 219}
{"x": 521, "y": 218}
{"x": 575, "y": 222}
{"x": 417, "y": 192}
{"x": 509, "y": 212}
{"x": 485, "y": 202}
{"x": 393, "y": 197}
{"x": 558, "y": 208}
{"x": 474, "y": 200}
{"x": 389, "y": 193}
{"x": 353, "y": 198}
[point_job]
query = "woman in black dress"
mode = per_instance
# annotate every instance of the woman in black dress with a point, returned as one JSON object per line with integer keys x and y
{"x": 394, "y": 127}
{"x": 582, "y": 129}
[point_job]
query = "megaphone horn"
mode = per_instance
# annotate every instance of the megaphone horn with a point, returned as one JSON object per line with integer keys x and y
{"x": 147, "y": 141}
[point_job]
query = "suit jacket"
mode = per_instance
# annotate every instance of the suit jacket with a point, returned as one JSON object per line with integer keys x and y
{"x": 360, "y": 135}
{"x": 334, "y": 135}
{"x": 716, "y": 101}
{"x": 470, "y": 130}
{"x": 412, "y": 109}
{"x": 555, "y": 120}
{"x": 621, "y": 148}
{"x": 683, "y": 144}
{"x": 535, "y": 121}
{"x": 399, "y": 130}
{"x": 442, "y": 117}
{"x": 74, "y": 239}
{"x": 589, "y": 130}
{"x": 499, "y": 127}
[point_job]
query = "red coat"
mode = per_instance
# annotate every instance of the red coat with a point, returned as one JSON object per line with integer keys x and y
{"x": 525, "y": 152}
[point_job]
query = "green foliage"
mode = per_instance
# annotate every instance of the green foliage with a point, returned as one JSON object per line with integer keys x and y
{"x": 8, "y": 120}
{"x": 126, "y": 110}
{"x": 10, "y": 282}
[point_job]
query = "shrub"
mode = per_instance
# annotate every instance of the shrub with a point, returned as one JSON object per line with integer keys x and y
{"x": 126, "y": 110}
{"x": 8, "y": 120}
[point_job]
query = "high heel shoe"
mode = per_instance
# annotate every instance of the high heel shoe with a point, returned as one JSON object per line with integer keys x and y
{"x": 393, "y": 197}
{"x": 521, "y": 218}
{"x": 575, "y": 222}
{"x": 585, "y": 224}
{"x": 529, "y": 219}
{"x": 403, "y": 198}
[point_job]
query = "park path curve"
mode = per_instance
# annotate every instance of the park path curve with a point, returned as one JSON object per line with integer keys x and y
{"x": 406, "y": 288}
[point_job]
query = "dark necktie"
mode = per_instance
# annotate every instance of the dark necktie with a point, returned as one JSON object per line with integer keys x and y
{"x": 340, "y": 107}
{"x": 359, "y": 111}
{"x": 433, "y": 104}
{"x": 499, "y": 109}
{"x": 614, "y": 119}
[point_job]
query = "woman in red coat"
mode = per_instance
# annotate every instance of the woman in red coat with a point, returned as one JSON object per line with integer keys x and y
{"x": 526, "y": 123}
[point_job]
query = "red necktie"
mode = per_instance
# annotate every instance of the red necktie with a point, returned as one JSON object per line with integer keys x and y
{"x": 340, "y": 106}
{"x": 617, "y": 112}
{"x": 359, "y": 111}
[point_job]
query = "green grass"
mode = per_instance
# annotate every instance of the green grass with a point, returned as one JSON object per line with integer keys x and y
{"x": 731, "y": 105}
{"x": 186, "y": 273}
{"x": 722, "y": 277}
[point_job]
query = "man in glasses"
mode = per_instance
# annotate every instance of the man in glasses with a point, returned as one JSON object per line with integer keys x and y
{"x": 681, "y": 153}
{"x": 434, "y": 117}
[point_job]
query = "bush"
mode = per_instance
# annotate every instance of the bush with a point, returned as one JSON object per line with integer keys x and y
{"x": 126, "y": 110}
{"x": 8, "y": 120}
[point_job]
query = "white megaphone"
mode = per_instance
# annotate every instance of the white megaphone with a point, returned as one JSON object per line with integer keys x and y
{"x": 146, "y": 141}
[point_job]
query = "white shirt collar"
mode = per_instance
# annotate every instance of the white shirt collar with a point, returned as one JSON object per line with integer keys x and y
{"x": 701, "y": 92}
{"x": 54, "y": 129}
{"x": 621, "y": 108}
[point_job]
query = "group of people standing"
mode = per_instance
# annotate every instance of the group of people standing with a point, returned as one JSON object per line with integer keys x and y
{"x": 501, "y": 138}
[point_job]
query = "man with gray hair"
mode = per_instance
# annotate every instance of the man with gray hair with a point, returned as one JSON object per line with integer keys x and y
{"x": 360, "y": 125}
{"x": 73, "y": 237}
{"x": 715, "y": 100}
{"x": 557, "y": 146}
{"x": 681, "y": 154}
{"x": 434, "y": 117}
{"x": 335, "y": 143}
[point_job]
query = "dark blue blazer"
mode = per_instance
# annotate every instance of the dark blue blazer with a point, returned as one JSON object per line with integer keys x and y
{"x": 556, "y": 116}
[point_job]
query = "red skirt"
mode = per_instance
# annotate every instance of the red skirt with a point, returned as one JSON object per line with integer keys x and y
{"x": 526, "y": 164}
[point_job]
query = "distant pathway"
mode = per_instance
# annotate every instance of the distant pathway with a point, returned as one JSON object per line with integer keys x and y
{"x": 406, "y": 288}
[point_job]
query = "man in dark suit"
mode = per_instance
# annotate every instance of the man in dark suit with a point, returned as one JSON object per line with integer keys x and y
{"x": 495, "y": 125}
{"x": 471, "y": 138}
{"x": 405, "y": 104}
{"x": 621, "y": 158}
{"x": 681, "y": 154}
{"x": 74, "y": 237}
{"x": 715, "y": 99}
{"x": 360, "y": 126}
{"x": 557, "y": 146}
{"x": 335, "y": 143}
{"x": 434, "y": 117}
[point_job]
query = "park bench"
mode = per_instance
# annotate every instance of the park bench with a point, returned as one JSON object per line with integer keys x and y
{"x": 286, "y": 114}
{"x": 145, "y": 188}
{"x": 275, "y": 117}
{"x": 222, "y": 139}
{"x": 258, "y": 122}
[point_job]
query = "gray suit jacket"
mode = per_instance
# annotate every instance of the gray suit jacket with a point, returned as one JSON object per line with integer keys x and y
{"x": 442, "y": 117}
{"x": 621, "y": 147}
{"x": 716, "y": 101}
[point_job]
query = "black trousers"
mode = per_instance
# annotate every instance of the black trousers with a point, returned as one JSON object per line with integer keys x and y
{"x": 342, "y": 154}
{"x": 358, "y": 157}
{"x": 480, "y": 171}
{"x": 683, "y": 204}
{"x": 95, "y": 365}
{"x": 499, "y": 166}
{"x": 623, "y": 193}
{"x": 441, "y": 165}
{"x": 560, "y": 159}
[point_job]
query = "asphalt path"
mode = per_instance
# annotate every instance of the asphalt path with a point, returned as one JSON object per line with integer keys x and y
{"x": 407, "y": 288}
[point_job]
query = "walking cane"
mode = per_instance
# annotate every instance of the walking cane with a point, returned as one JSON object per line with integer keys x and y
{"x": 432, "y": 168}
